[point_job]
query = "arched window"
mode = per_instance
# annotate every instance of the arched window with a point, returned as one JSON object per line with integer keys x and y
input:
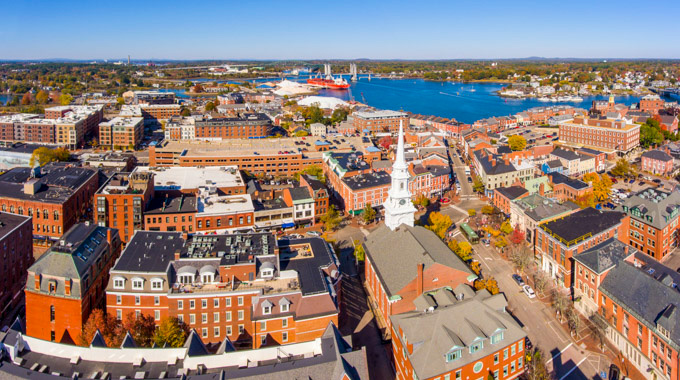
{"x": 30, "y": 211}
{"x": 46, "y": 214}
{"x": 11, "y": 209}
{"x": 4, "y": 208}
{"x": 56, "y": 215}
{"x": 21, "y": 210}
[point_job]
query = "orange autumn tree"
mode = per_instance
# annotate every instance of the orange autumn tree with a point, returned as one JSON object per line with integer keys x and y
{"x": 108, "y": 326}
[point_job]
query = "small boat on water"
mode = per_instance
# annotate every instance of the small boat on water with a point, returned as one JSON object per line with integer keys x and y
{"x": 543, "y": 99}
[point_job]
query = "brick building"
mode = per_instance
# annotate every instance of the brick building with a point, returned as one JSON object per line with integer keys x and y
{"x": 379, "y": 121}
{"x": 68, "y": 282}
{"x": 613, "y": 135}
{"x": 122, "y": 132}
{"x": 246, "y": 287}
{"x": 657, "y": 162}
{"x": 319, "y": 192}
{"x": 170, "y": 214}
{"x": 249, "y": 126}
{"x": 653, "y": 221}
{"x": 121, "y": 201}
{"x": 503, "y": 197}
{"x": 458, "y": 335}
{"x": 403, "y": 264}
{"x": 651, "y": 104}
{"x": 559, "y": 241}
{"x": 152, "y": 97}
{"x": 56, "y": 195}
{"x": 16, "y": 252}
{"x": 566, "y": 188}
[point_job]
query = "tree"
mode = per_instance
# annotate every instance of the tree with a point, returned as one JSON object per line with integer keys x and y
{"x": 476, "y": 267}
{"x": 560, "y": 303}
{"x": 210, "y": 106}
{"x": 314, "y": 171}
{"x": 172, "y": 332}
{"x": 622, "y": 168}
{"x": 650, "y": 134}
{"x": 535, "y": 366}
{"x": 574, "y": 321}
{"x": 517, "y": 236}
{"x": 109, "y": 327}
{"x": 540, "y": 281}
{"x": 359, "y": 252}
{"x": 44, "y": 155}
{"x": 120, "y": 100}
{"x": 453, "y": 245}
{"x": 464, "y": 251}
{"x": 438, "y": 223}
{"x": 488, "y": 209}
{"x": 141, "y": 328}
{"x": 478, "y": 185}
{"x": 185, "y": 112}
{"x": 65, "y": 99}
{"x": 489, "y": 284}
{"x": 301, "y": 133}
{"x": 26, "y": 99}
{"x": 501, "y": 242}
{"x": 521, "y": 257}
{"x": 599, "y": 328}
{"x": 422, "y": 201}
{"x": 586, "y": 200}
{"x": 198, "y": 88}
{"x": 472, "y": 212}
{"x": 369, "y": 213}
{"x": 385, "y": 142}
{"x": 42, "y": 97}
{"x": 331, "y": 220}
{"x": 517, "y": 142}
{"x": 506, "y": 228}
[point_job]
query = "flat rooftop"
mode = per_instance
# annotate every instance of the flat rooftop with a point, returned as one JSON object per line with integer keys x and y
{"x": 213, "y": 204}
{"x": 8, "y": 222}
{"x": 187, "y": 178}
{"x": 379, "y": 114}
{"x": 122, "y": 122}
{"x": 264, "y": 147}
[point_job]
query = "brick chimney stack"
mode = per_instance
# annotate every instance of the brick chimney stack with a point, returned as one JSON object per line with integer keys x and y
{"x": 541, "y": 189}
{"x": 493, "y": 162}
{"x": 419, "y": 279}
{"x": 37, "y": 281}
{"x": 507, "y": 162}
{"x": 109, "y": 238}
{"x": 177, "y": 252}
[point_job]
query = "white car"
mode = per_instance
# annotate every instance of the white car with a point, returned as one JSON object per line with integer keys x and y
{"x": 528, "y": 291}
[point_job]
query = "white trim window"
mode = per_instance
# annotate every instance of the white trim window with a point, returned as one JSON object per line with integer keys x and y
{"x": 138, "y": 283}
{"x": 157, "y": 284}
{"x": 119, "y": 282}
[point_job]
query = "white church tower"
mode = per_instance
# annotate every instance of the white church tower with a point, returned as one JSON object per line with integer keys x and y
{"x": 399, "y": 208}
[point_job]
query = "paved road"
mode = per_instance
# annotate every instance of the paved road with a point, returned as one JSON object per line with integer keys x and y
{"x": 459, "y": 168}
{"x": 566, "y": 359}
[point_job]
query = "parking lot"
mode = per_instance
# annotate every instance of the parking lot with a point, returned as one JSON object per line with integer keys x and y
{"x": 534, "y": 135}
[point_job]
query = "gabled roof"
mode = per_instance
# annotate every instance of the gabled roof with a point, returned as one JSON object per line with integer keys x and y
{"x": 605, "y": 255}
{"x": 194, "y": 345}
{"x": 98, "y": 340}
{"x": 658, "y": 155}
{"x": 512, "y": 192}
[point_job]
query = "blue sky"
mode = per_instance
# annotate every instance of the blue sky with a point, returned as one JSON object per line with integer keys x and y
{"x": 339, "y": 29}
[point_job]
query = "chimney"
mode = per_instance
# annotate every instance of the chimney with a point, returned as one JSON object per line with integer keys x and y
{"x": 67, "y": 286}
{"x": 109, "y": 236}
{"x": 177, "y": 254}
{"x": 419, "y": 279}
{"x": 493, "y": 162}
{"x": 541, "y": 189}
{"x": 37, "y": 281}
{"x": 625, "y": 249}
{"x": 507, "y": 162}
{"x": 185, "y": 235}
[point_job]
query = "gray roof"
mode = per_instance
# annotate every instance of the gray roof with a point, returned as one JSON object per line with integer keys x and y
{"x": 56, "y": 184}
{"x": 512, "y": 192}
{"x": 649, "y": 293}
{"x": 539, "y": 208}
{"x": 487, "y": 164}
{"x": 658, "y": 155}
{"x": 396, "y": 254}
{"x": 456, "y": 326}
{"x": 554, "y": 164}
{"x": 573, "y": 227}
{"x": 605, "y": 255}
{"x": 565, "y": 154}
{"x": 300, "y": 194}
{"x": 9, "y": 222}
{"x": 559, "y": 178}
{"x": 653, "y": 207}
{"x": 172, "y": 205}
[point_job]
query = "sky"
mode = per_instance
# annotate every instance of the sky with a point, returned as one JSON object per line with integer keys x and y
{"x": 346, "y": 29}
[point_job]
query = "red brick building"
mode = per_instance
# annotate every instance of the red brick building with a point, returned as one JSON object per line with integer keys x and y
{"x": 657, "y": 162}
{"x": 608, "y": 134}
{"x": 68, "y": 282}
{"x": 16, "y": 251}
{"x": 503, "y": 197}
{"x": 122, "y": 132}
{"x": 653, "y": 221}
{"x": 560, "y": 240}
{"x": 319, "y": 192}
{"x": 379, "y": 121}
{"x": 652, "y": 104}
{"x": 565, "y": 188}
{"x": 56, "y": 197}
{"x": 250, "y": 126}
{"x": 403, "y": 264}
{"x": 229, "y": 286}
{"x": 171, "y": 214}
{"x": 458, "y": 335}
{"x": 121, "y": 201}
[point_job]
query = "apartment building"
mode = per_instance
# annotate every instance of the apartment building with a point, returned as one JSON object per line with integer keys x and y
{"x": 153, "y": 97}
{"x": 503, "y": 197}
{"x": 495, "y": 172}
{"x": 222, "y": 180}
{"x": 657, "y": 162}
{"x": 248, "y": 288}
{"x": 610, "y": 135}
{"x": 458, "y": 334}
{"x": 653, "y": 221}
{"x": 379, "y": 121}
{"x": 56, "y": 196}
{"x": 16, "y": 252}
{"x": 122, "y": 132}
{"x": 565, "y": 188}
{"x": 560, "y": 240}
{"x": 527, "y": 213}
{"x": 68, "y": 281}
{"x": 574, "y": 164}
{"x": 651, "y": 104}
{"x": 319, "y": 193}
{"x": 170, "y": 214}
{"x": 121, "y": 201}
{"x": 249, "y": 126}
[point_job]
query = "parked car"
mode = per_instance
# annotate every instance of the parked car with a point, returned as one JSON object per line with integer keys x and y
{"x": 528, "y": 291}
{"x": 656, "y": 180}
{"x": 313, "y": 233}
{"x": 518, "y": 280}
{"x": 469, "y": 179}
{"x": 641, "y": 183}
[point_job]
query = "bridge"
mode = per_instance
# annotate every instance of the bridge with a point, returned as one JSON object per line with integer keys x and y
{"x": 665, "y": 91}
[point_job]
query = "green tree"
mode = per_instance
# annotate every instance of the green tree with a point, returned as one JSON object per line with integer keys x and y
{"x": 650, "y": 134}
{"x": 331, "y": 220}
{"x": 478, "y": 185}
{"x": 622, "y": 168}
{"x": 301, "y": 133}
{"x": 65, "y": 99}
{"x": 44, "y": 155}
{"x": 172, "y": 332}
{"x": 517, "y": 142}
{"x": 506, "y": 228}
{"x": 368, "y": 214}
{"x": 438, "y": 223}
{"x": 359, "y": 252}
{"x": 210, "y": 106}
{"x": 185, "y": 112}
{"x": 472, "y": 212}
{"x": 42, "y": 97}
{"x": 465, "y": 250}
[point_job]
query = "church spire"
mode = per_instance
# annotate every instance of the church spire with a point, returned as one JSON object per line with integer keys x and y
{"x": 399, "y": 208}
{"x": 400, "y": 161}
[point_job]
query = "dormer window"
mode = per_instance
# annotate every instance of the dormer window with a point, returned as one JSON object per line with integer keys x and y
{"x": 495, "y": 338}
{"x": 454, "y": 355}
{"x": 267, "y": 307}
{"x": 284, "y": 304}
{"x": 138, "y": 283}
{"x": 118, "y": 283}
{"x": 157, "y": 284}
{"x": 477, "y": 346}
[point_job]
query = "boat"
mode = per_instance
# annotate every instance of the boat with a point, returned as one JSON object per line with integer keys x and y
{"x": 472, "y": 90}
{"x": 543, "y": 99}
{"x": 329, "y": 82}
{"x": 576, "y": 99}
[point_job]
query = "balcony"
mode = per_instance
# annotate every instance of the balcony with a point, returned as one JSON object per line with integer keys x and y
{"x": 277, "y": 285}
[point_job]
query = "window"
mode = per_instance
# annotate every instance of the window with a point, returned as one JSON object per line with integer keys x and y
{"x": 476, "y": 347}
{"x": 497, "y": 338}
{"x": 119, "y": 314}
{"x": 192, "y": 319}
{"x": 241, "y": 329}
{"x": 284, "y": 307}
{"x": 227, "y": 316}
{"x": 157, "y": 315}
{"x": 228, "y": 330}
{"x": 204, "y": 332}
{"x": 263, "y": 325}
{"x": 118, "y": 283}
{"x": 266, "y": 310}
{"x": 453, "y": 355}
{"x": 137, "y": 300}
{"x": 204, "y": 317}
{"x": 52, "y": 313}
{"x": 520, "y": 362}
{"x": 227, "y": 302}
{"x": 512, "y": 366}
{"x": 216, "y": 302}
{"x": 495, "y": 358}
{"x": 119, "y": 299}
{"x": 505, "y": 370}
{"x": 263, "y": 340}
{"x": 156, "y": 300}
{"x": 240, "y": 301}
{"x": 284, "y": 336}
{"x": 520, "y": 346}
{"x": 157, "y": 284}
{"x": 512, "y": 350}
{"x": 459, "y": 375}
{"x": 240, "y": 315}
{"x": 505, "y": 354}
{"x": 204, "y": 303}
{"x": 180, "y": 305}
{"x": 192, "y": 304}
{"x": 284, "y": 322}
{"x": 137, "y": 283}
{"x": 216, "y": 317}
{"x": 639, "y": 328}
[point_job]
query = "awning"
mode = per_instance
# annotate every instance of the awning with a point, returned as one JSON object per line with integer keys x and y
{"x": 287, "y": 225}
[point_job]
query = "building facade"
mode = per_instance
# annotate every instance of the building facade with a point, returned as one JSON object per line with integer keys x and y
{"x": 16, "y": 251}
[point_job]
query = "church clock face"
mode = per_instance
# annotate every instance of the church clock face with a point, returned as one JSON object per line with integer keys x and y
{"x": 402, "y": 202}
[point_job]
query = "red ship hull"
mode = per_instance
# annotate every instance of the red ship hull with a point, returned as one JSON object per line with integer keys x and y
{"x": 327, "y": 83}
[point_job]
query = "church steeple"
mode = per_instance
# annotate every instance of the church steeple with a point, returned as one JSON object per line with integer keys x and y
{"x": 399, "y": 208}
